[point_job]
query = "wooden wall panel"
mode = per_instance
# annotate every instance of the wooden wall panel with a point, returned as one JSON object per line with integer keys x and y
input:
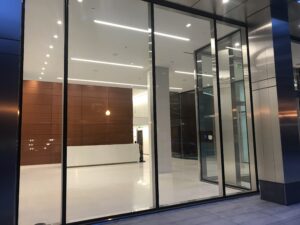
{"x": 87, "y": 122}
{"x": 41, "y": 123}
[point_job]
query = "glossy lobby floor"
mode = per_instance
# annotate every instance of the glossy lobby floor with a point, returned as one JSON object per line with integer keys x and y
{"x": 100, "y": 191}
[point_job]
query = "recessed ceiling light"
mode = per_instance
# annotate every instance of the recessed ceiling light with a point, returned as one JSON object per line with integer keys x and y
{"x": 48, "y": 56}
{"x": 141, "y": 30}
{"x": 43, "y": 68}
{"x": 79, "y": 0}
{"x": 59, "y": 22}
{"x": 188, "y": 25}
{"x": 107, "y": 63}
{"x": 237, "y": 44}
{"x": 40, "y": 78}
{"x": 46, "y": 63}
{"x": 199, "y": 61}
{"x": 51, "y": 46}
{"x": 55, "y": 36}
{"x": 225, "y": 1}
{"x": 42, "y": 73}
{"x": 115, "y": 83}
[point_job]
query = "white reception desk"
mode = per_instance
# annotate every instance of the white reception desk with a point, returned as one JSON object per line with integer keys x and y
{"x": 102, "y": 154}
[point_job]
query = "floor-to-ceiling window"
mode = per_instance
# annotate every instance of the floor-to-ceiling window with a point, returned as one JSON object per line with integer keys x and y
{"x": 109, "y": 153}
{"x": 179, "y": 150}
{"x": 158, "y": 110}
{"x": 41, "y": 134}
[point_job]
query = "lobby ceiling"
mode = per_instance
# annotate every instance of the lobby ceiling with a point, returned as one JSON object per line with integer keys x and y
{"x": 95, "y": 47}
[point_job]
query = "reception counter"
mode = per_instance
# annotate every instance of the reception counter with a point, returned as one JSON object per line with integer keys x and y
{"x": 93, "y": 155}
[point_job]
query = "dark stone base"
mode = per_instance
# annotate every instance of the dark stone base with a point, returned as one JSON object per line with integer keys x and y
{"x": 285, "y": 194}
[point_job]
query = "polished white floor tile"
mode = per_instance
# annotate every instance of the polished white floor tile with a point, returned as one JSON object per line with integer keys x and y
{"x": 100, "y": 191}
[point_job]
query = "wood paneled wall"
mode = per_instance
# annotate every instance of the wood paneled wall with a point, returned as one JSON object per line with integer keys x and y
{"x": 41, "y": 123}
{"x": 87, "y": 122}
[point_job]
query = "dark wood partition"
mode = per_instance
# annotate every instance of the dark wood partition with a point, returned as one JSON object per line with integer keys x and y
{"x": 87, "y": 122}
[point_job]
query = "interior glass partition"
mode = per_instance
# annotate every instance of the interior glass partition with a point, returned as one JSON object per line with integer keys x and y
{"x": 207, "y": 106}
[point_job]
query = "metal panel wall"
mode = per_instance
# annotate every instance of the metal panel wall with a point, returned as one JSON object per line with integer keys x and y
{"x": 10, "y": 61}
{"x": 265, "y": 97}
{"x": 275, "y": 104}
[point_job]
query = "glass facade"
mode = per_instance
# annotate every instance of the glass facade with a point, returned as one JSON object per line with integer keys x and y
{"x": 157, "y": 111}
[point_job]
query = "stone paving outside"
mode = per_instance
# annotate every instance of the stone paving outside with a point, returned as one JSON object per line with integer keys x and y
{"x": 244, "y": 211}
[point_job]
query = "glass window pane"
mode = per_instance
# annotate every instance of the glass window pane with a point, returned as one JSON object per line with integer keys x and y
{"x": 109, "y": 109}
{"x": 41, "y": 137}
{"x": 179, "y": 39}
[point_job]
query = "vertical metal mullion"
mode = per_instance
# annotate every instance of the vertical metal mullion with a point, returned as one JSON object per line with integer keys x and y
{"x": 219, "y": 107}
{"x": 252, "y": 110}
{"x": 156, "y": 180}
{"x": 20, "y": 106}
{"x": 65, "y": 116}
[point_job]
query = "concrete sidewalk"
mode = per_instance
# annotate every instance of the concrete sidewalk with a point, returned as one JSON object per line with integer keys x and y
{"x": 244, "y": 210}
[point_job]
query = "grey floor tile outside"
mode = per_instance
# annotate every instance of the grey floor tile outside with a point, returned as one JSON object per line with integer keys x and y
{"x": 244, "y": 211}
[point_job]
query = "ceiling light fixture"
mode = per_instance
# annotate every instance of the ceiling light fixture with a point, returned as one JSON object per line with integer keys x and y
{"x": 107, "y": 63}
{"x": 205, "y": 75}
{"x": 184, "y": 72}
{"x": 225, "y": 1}
{"x": 188, "y": 25}
{"x": 79, "y": 0}
{"x": 113, "y": 83}
{"x": 51, "y": 46}
{"x": 193, "y": 73}
{"x": 43, "y": 68}
{"x": 235, "y": 49}
{"x": 40, "y": 78}
{"x": 141, "y": 30}
{"x": 199, "y": 61}
{"x": 237, "y": 44}
{"x": 172, "y": 36}
{"x": 55, "y": 36}
{"x": 46, "y": 63}
{"x": 48, "y": 56}
{"x": 42, "y": 73}
{"x": 59, "y": 22}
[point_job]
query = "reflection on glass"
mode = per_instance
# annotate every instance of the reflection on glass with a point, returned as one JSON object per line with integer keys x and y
{"x": 234, "y": 113}
{"x": 41, "y": 142}
{"x": 179, "y": 161}
{"x": 109, "y": 109}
